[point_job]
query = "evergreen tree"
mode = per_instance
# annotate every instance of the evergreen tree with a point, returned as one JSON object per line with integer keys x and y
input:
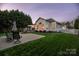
{"x": 7, "y": 18}
{"x": 76, "y": 24}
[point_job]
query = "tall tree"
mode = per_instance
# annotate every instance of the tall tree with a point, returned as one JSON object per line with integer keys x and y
{"x": 76, "y": 24}
{"x": 7, "y": 17}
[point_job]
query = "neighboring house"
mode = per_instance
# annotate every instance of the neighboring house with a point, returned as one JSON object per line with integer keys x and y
{"x": 47, "y": 25}
{"x": 72, "y": 23}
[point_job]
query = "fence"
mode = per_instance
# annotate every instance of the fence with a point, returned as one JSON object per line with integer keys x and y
{"x": 71, "y": 31}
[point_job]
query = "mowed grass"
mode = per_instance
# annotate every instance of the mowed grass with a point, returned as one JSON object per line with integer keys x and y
{"x": 53, "y": 44}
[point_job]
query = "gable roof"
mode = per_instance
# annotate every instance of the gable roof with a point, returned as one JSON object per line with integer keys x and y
{"x": 48, "y": 20}
{"x": 39, "y": 19}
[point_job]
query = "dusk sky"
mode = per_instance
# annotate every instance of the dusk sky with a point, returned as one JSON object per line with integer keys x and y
{"x": 58, "y": 11}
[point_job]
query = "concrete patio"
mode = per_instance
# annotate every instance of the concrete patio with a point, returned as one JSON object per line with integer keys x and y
{"x": 25, "y": 38}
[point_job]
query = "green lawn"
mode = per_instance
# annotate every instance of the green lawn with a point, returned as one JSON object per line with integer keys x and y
{"x": 51, "y": 44}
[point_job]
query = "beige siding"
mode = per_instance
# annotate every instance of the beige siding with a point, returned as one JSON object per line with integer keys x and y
{"x": 40, "y": 21}
{"x": 53, "y": 26}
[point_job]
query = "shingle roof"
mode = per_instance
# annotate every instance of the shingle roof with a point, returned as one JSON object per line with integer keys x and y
{"x": 48, "y": 20}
